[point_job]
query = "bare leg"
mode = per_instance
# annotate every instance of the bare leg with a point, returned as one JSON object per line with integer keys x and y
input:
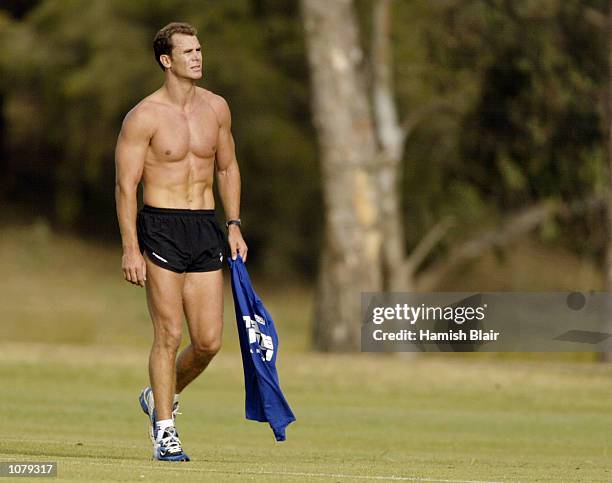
{"x": 203, "y": 305}
{"x": 164, "y": 289}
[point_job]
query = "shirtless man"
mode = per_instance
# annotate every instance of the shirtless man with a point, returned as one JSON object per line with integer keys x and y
{"x": 173, "y": 141}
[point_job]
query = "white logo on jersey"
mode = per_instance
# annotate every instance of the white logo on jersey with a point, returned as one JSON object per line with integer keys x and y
{"x": 263, "y": 341}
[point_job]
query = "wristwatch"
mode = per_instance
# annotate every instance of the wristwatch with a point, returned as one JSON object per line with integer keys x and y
{"x": 232, "y": 222}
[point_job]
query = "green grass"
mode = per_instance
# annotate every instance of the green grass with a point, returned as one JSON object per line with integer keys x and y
{"x": 359, "y": 415}
{"x": 73, "y": 350}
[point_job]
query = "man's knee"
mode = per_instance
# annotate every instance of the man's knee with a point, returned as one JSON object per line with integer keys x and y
{"x": 169, "y": 336}
{"x": 207, "y": 347}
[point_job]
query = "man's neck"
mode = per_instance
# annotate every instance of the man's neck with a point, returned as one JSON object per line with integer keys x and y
{"x": 179, "y": 91}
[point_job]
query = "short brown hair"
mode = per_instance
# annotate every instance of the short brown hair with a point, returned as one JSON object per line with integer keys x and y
{"x": 162, "y": 43}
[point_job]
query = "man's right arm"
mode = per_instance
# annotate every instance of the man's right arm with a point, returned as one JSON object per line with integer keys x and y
{"x": 130, "y": 152}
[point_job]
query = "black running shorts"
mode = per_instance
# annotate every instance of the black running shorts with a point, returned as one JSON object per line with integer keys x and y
{"x": 181, "y": 240}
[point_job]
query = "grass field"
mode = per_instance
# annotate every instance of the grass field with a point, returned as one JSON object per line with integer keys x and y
{"x": 359, "y": 417}
{"x": 73, "y": 350}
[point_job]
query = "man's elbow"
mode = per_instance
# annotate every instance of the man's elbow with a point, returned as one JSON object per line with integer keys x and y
{"x": 228, "y": 171}
{"x": 222, "y": 175}
{"x": 125, "y": 188}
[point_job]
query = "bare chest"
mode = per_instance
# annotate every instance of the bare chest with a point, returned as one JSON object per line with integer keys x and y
{"x": 179, "y": 135}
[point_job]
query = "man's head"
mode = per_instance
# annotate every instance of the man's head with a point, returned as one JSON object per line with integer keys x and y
{"x": 177, "y": 49}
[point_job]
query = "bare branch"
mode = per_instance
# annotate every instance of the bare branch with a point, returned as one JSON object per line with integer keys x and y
{"x": 448, "y": 4}
{"x": 427, "y": 244}
{"x": 385, "y": 110}
{"x": 381, "y": 32}
{"x": 593, "y": 202}
{"x": 595, "y": 17}
{"x": 510, "y": 230}
{"x": 418, "y": 115}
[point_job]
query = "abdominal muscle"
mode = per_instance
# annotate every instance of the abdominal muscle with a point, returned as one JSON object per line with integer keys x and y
{"x": 184, "y": 184}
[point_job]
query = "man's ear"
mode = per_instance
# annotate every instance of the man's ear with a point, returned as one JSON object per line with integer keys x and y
{"x": 165, "y": 60}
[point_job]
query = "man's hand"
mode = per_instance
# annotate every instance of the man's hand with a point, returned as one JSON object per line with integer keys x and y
{"x": 236, "y": 243}
{"x": 134, "y": 267}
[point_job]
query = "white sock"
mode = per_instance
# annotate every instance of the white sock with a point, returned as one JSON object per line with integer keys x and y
{"x": 176, "y": 398}
{"x": 162, "y": 424}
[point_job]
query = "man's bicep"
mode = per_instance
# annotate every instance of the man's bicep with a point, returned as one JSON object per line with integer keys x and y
{"x": 130, "y": 153}
{"x": 226, "y": 150}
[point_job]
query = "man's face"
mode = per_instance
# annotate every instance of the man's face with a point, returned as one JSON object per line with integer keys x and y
{"x": 186, "y": 58}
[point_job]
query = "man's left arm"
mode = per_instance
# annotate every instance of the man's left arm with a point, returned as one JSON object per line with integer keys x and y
{"x": 228, "y": 177}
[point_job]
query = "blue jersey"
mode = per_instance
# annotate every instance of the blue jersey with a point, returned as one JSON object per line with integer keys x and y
{"x": 259, "y": 347}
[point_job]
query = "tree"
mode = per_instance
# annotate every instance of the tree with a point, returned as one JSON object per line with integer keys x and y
{"x": 515, "y": 132}
{"x": 607, "y": 356}
{"x": 350, "y": 262}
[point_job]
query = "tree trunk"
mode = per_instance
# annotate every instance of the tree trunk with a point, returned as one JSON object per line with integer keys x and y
{"x": 351, "y": 259}
{"x": 391, "y": 137}
{"x": 606, "y": 356}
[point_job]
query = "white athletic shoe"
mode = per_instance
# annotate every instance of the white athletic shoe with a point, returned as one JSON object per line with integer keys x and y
{"x": 147, "y": 403}
{"x": 167, "y": 446}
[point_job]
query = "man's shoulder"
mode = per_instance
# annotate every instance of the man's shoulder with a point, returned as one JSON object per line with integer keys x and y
{"x": 149, "y": 106}
{"x": 217, "y": 102}
{"x": 145, "y": 113}
{"x": 210, "y": 96}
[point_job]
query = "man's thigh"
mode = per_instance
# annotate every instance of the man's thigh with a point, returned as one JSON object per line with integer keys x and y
{"x": 203, "y": 305}
{"x": 164, "y": 294}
